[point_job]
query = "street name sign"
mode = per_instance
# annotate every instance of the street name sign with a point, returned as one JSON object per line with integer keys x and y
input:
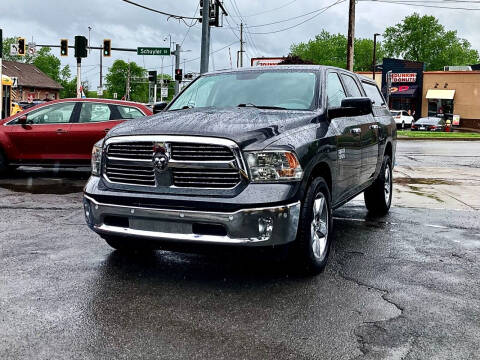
{"x": 153, "y": 51}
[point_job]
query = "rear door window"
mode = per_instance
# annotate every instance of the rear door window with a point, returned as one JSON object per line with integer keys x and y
{"x": 352, "y": 87}
{"x": 335, "y": 91}
{"x": 94, "y": 112}
{"x": 128, "y": 112}
{"x": 374, "y": 94}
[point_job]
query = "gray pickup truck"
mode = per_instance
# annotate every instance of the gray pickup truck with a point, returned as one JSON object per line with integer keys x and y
{"x": 256, "y": 157}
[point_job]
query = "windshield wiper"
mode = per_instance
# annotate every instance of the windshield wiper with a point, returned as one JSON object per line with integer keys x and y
{"x": 183, "y": 108}
{"x": 262, "y": 106}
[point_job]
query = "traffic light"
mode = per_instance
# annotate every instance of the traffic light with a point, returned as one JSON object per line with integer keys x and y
{"x": 152, "y": 77}
{"x": 81, "y": 46}
{"x": 63, "y": 47}
{"x": 21, "y": 47}
{"x": 178, "y": 74}
{"x": 107, "y": 47}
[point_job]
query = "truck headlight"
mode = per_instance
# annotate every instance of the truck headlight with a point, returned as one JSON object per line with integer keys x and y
{"x": 268, "y": 166}
{"x": 97, "y": 158}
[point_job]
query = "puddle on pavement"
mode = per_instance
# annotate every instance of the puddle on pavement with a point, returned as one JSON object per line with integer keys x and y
{"x": 422, "y": 181}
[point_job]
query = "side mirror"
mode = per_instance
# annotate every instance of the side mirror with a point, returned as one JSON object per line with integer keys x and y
{"x": 158, "y": 107}
{"x": 22, "y": 120}
{"x": 354, "y": 106}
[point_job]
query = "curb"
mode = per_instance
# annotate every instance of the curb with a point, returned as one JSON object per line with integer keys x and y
{"x": 406, "y": 138}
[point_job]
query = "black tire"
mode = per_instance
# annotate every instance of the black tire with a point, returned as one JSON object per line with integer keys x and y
{"x": 308, "y": 258}
{"x": 128, "y": 245}
{"x": 377, "y": 199}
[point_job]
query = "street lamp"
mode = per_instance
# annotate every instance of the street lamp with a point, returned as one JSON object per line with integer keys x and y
{"x": 374, "y": 64}
{"x": 165, "y": 39}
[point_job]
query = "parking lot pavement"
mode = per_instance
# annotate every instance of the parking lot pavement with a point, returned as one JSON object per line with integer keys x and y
{"x": 401, "y": 287}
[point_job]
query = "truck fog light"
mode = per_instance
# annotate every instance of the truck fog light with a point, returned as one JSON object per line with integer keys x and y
{"x": 265, "y": 228}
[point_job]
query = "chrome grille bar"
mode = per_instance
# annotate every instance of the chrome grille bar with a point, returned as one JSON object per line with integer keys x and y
{"x": 196, "y": 162}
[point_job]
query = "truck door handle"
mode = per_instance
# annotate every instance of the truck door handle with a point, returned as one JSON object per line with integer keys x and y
{"x": 61, "y": 131}
{"x": 374, "y": 126}
{"x": 356, "y": 131}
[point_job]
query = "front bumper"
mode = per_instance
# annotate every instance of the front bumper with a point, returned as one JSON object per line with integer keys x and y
{"x": 266, "y": 226}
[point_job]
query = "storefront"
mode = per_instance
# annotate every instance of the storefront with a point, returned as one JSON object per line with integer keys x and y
{"x": 402, "y": 82}
{"x": 453, "y": 94}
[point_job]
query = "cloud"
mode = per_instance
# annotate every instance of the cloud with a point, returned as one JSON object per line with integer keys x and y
{"x": 128, "y": 27}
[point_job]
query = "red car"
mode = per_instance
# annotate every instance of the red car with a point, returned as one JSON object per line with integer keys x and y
{"x": 61, "y": 132}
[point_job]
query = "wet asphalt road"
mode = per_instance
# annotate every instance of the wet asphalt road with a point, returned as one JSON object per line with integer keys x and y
{"x": 402, "y": 287}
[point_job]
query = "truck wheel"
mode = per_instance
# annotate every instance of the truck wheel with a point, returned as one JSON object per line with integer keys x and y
{"x": 128, "y": 245}
{"x": 313, "y": 239}
{"x": 378, "y": 197}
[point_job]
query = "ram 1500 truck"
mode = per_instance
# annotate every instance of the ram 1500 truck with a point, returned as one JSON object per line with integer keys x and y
{"x": 256, "y": 157}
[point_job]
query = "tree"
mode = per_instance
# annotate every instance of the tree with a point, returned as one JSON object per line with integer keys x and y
{"x": 331, "y": 49}
{"x": 7, "y": 42}
{"x": 116, "y": 80}
{"x": 423, "y": 38}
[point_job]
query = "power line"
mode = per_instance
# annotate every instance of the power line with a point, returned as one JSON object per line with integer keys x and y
{"x": 178, "y": 17}
{"x": 213, "y": 52}
{"x": 394, "y": 2}
{"x": 267, "y": 11}
{"x": 188, "y": 30}
{"x": 319, "y": 12}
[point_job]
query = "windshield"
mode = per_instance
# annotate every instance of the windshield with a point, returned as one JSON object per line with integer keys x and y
{"x": 292, "y": 90}
{"x": 429, "y": 121}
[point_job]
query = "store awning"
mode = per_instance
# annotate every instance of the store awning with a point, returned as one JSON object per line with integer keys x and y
{"x": 440, "y": 94}
{"x": 404, "y": 91}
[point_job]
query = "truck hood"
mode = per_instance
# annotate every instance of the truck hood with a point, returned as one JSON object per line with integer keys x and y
{"x": 245, "y": 126}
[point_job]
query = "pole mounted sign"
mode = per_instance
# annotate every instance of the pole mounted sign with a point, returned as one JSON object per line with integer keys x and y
{"x": 153, "y": 51}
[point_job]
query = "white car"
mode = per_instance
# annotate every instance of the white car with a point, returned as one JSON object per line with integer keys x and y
{"x": 402, "y": 118}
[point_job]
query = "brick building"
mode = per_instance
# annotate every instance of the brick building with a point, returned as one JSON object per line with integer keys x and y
{"x": 31, "y": 82}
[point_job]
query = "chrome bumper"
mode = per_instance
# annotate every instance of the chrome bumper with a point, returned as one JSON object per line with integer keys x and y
{"x": 250, "y": 227}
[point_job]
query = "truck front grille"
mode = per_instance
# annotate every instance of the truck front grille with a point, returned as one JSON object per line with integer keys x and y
{"x": 210, "y": 163}
{"x": 200, "y": 152}
{"x": 134, "y": 150}
{"x": 131, "y": 174}
{"x": 214, "y": 178}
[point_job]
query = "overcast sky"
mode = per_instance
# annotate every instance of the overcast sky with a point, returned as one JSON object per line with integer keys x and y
{"x": 48, "y": 21}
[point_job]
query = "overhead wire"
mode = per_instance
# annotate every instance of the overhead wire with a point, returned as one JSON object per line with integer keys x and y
{"x": 267, "y": 11}
{"x": 425, "y": 4}
{"x": 318, "y": 13}
{"x": 177, "y": 17}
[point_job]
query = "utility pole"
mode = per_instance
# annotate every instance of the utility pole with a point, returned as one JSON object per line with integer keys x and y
{"x": 101, "y": 67}
{"x": 351, "y": 35}
{"x": 1, "y": 68}
{"x": 177, "y": 65}
{"x": 374, "y": 62}
{"x": 127, "y": 90}
{"x": 79, "y": 77}
{"x": 205, "y": 50}
{"x": 241, "y": 45}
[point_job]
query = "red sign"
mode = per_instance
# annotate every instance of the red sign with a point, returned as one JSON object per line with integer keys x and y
{"x": 266, "y": 61}
{"x": 399, "y": 89}
{"x": 404, "y": 77}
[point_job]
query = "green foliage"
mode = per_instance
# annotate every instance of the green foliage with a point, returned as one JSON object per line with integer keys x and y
{"x": 423, "y": 38}
{"x": 116, "y": 80}
{"x": 6, "y": 52}
{"x": 331, "y": 49}
{"x": 69, "y": 88}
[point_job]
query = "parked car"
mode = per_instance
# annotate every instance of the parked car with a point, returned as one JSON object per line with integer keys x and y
{"x": 247, "y": 157}
{"x": 402, "y": 118}
{"x": 16, "y": 108}
{"x": 429, "y": 124}
{"x": 61, "y": 132}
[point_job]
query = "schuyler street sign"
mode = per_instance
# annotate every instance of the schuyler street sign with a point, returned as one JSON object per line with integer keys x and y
{"x": 153, "y": 51}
